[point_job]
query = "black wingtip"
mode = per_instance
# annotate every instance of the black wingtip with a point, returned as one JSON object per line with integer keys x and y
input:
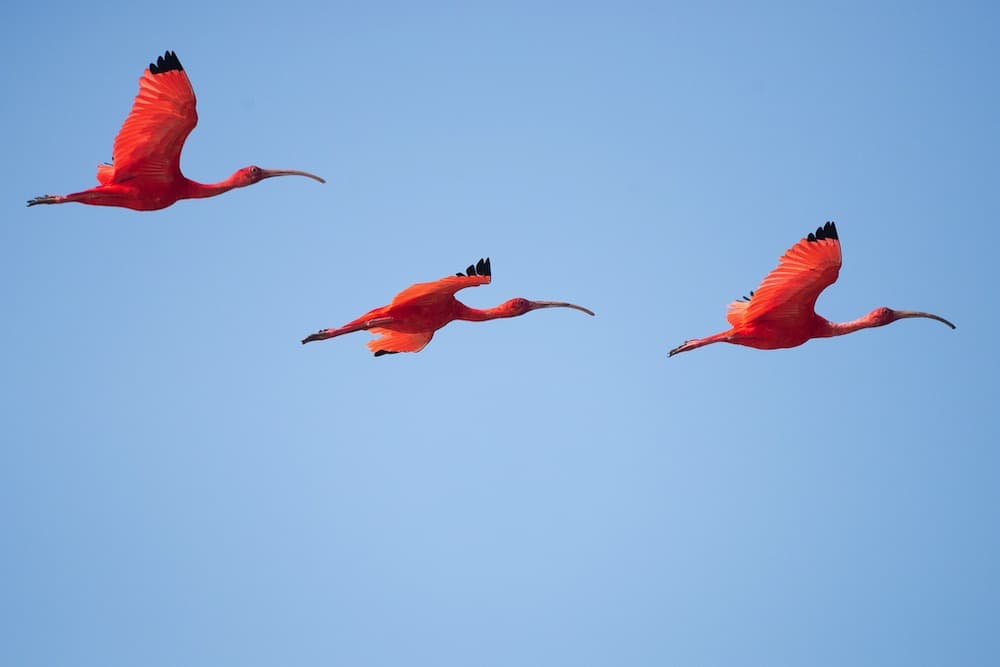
{"x": 480, "y": 268}
{"x": 168, "y": 62}
{"x": 379, "y": 353}
{"x": 827, "y": 231}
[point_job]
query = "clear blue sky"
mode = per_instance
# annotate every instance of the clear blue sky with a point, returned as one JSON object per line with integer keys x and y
{"x": 183, "y": 483}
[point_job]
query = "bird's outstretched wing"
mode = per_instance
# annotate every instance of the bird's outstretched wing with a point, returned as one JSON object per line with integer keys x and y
{"x": 426, "y": 293}
{"x": 791, "y": 289}
{"x": 163, "y": 115}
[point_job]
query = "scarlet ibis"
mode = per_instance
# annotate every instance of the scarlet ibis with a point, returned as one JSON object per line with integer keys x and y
{"x": 146, "y": 172}
{"x": 409, "y": 322}
{"x": 780, "y": 313}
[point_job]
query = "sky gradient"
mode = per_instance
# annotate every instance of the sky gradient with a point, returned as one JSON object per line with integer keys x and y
{"x": 182, "y": 482}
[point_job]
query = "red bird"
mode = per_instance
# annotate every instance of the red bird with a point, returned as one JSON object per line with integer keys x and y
{"x": 780, "y": 313}
{"x": 409, "y": 322}
{"x": 146, "y": 170}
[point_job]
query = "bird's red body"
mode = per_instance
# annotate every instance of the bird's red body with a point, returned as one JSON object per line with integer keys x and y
{"x": 146, "y": 173}
{"x": 409, "y": 322}
{"x": 781, "y": 312}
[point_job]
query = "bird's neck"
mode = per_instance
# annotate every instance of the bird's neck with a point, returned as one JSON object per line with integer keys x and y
{"x": 480, "y": 315}
{"x": 840, "y": 328}
{"x": 196, "y": 190}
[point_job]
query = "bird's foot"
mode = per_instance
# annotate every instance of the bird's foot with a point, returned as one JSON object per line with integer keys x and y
{"x": 322, "y": 334}
{"x": 680, "y": 348}
{"x": 45, "y": 199}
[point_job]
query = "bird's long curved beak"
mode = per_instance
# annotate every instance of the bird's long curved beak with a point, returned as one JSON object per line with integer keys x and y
{"x": 270, "y": 173}
{"x": 900, "y": 314}
{"x": 559, "y": 304}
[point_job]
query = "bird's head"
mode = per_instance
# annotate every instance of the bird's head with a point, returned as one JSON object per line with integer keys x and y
{"x": 882, "y": 316}
{"x": 520, "y": 306}
{"x": 254, "y": 174}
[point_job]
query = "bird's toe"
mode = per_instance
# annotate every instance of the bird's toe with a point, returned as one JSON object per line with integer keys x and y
{"x": 43, "y": 199}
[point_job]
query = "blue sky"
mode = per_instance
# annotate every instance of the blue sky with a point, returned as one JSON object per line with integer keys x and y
{"x": 183, "y": 483}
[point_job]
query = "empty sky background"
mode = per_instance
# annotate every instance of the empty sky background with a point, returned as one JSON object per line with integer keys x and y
{"x": 183, "y": 483}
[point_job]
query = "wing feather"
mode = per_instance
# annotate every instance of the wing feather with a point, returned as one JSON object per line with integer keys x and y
{"x": 791, "y": 289}
{"x": 150, "y": 141}
{"x": 736, "y": 311}
{"x": 423, "y": 293}
{"x": 105, "y": 173}
{"x": 436, "y": 291}
{"x": 390, "y": 341}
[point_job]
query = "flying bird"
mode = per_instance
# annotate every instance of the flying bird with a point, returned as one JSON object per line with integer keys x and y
{"x": 780, "y": 313}
{"x": 145, "y": 173}
{"x": 409, "y": 322}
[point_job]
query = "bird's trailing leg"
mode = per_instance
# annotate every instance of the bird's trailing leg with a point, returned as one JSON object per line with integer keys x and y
{"x": 695, "y": 343}
{"x": 361, "y": 325}
{"x": 47, "y": 199}
{"x": 101, "y": 195}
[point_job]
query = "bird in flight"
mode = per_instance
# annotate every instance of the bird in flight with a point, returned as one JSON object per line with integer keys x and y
{"x": 145, "y": 174}
{"x": 409, "y": 322}
{"x": 781, "y": 312}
